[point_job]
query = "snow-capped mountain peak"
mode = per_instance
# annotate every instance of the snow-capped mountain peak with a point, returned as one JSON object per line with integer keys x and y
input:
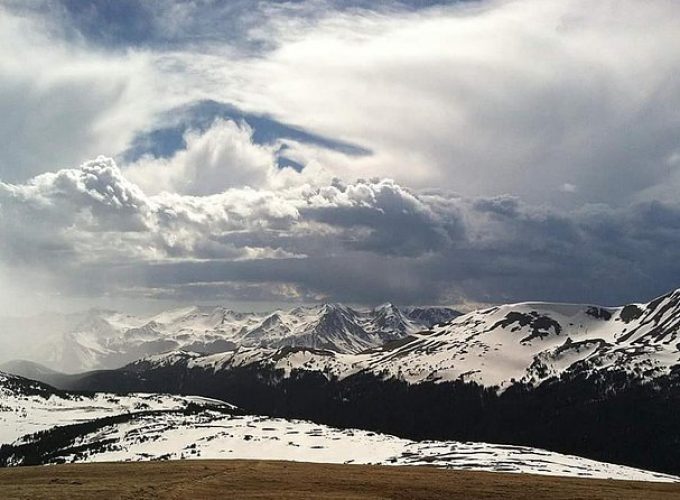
{"x": 107, "y": 339}
{"x": 526, "y": 342}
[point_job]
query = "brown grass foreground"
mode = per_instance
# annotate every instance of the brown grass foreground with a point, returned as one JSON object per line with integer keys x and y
{"x": 207, "y": 479}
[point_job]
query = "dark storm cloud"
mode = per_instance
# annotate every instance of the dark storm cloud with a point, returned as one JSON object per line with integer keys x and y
{"x": 367, "y": 241}
{"x": 396, "y": 221}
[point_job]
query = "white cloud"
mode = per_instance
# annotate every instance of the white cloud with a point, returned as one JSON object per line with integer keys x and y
{"x": 485, "y": 98}
{"x": 94, "y": 213}
{"x": 63, "y": 103}
{"x": 503, "y": 96}
{"x": 224, "y": 156}
{"x": 90, "y": 230}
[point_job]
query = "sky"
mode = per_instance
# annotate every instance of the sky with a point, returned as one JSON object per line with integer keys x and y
{"x": 257, "y": 153}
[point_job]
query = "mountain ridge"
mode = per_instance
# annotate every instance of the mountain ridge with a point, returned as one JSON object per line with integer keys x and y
{"x": 527, "y": 342}
{"x": 104, "y": 339}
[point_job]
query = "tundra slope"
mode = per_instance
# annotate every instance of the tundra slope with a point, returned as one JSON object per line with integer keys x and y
{"x": 63, "y": 427}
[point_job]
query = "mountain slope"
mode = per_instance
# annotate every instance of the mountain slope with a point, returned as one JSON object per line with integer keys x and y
{"x": 214, "y": 435}
{"x": 106, "y": 339}
{"x": 531, "y": 342}
{"x": 592, "y": 381}
{"x": 40, "y": 425}
{"x": 527, "y": 342}
{"x": 27, "y": 406}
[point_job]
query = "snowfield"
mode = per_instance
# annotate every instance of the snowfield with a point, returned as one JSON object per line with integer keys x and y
{"x": 213, "y": 435}
{"x": 27, "y": 407}
{"x": 161, "y": 427}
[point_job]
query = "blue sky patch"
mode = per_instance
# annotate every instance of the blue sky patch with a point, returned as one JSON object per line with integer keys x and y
{"x": 164, "y": 141}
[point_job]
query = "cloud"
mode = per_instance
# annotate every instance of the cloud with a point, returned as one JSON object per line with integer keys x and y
{"x": 94, "y": 212}
{"x": 224, "y": 156}
{"x": 169, "y": 23}
{"x": 63, "y": 103}
{"x": 167, "y": 136}
{"x": 387, "y": 219}
{"x": 521, "y": 97}
{"x": 516, "y": 97}
{"x": 413, "y": 152}
{"x": 92, "y": 231}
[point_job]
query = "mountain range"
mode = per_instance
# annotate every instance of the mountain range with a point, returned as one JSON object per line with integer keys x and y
{"x": 600, "y": 382}
{"x": 100, "y": 339}
{"x": 494, "y": 347}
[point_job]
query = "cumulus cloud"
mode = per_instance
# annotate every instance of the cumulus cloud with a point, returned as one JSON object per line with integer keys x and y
{"x": 92, "y": 229}
{"x": 224, "y": 156}
{"x": 94, "y": 212}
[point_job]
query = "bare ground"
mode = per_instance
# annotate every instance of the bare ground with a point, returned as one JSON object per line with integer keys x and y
{"x": 235, "y": 479}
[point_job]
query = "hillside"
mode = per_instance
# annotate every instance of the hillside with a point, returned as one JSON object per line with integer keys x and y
{"x": 29, "y": 407}
{"x": 43, "y": 426}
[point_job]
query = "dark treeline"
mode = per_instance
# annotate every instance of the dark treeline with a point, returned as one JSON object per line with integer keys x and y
{"x": 605, "y": 416}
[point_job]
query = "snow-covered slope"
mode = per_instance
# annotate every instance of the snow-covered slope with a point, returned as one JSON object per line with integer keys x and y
{"x": 27, "y": 406}
{"x": 108, "y": 339}
{"x": 150, "y": 427}
{"x": 530, "y": 342}
{"x": 526, "y": 342}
